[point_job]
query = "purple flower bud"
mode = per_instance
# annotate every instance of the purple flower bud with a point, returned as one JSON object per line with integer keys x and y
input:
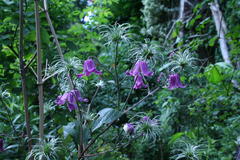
{"x": 174, "y": 82}
{"x": 89, "y": 68}
{"x": 139, "y": 82}
{"x": 1, "y": 145}
{"x": 145, "y": 119}
{"x": 140, "y": 68}
{"x": 129, "y": 128}
{"x": 71, "y": 99}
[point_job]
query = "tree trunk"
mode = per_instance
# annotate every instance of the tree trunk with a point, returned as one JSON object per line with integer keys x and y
{"x": 221, "y": 30}
{"x": 181, "y": 17}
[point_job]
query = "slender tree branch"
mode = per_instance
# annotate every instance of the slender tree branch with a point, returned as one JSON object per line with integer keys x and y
{"x": 52, "y": 30}
{"x": 39, "y": 72}
{"x": 23, "y": 75}
{"x": 48, "y": 77}
{"x": 149, "y": 94}
{"x": 35, "y": 74}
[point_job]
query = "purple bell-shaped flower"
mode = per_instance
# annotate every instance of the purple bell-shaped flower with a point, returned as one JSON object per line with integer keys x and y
{"x": 175, "y": 82}
{"x": 140, "y": 68}
{"x": 71, "y": 99}
{"x": 89, "y": 67}
{"x": 139, "y": 82}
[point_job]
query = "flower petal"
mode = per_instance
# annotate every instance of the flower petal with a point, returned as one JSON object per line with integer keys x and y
{"x": 72, "y": 106}
{"x": 139, "y": 83}
{"x": 144, "y": 69}
{"x": 61, "y": 100}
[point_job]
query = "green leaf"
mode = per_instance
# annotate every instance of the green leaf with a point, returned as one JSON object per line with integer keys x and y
{"x": 175, "y": 137}
{"x": 218, "y": 72}
{"x": 212, "y": 41}
{"x": 72, "y": 130}
{"x": 106, "y": 116}
{"x": 212, "y": 74}
{"x": 45, "y": 36}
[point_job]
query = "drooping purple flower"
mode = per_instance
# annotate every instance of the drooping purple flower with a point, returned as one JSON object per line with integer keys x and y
{"x": 71, "y": 99}
{"x": 129, "y": 128}
{"x": 140, "y": 68}
{"x": 139, "y": 82}
{"x": 1, "y": 145}
{"x": 175, "y": 82}
{"x": 89, "y": 67}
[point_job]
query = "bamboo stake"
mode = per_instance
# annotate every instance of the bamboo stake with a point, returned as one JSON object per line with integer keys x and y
{"x": 23, "y": 74}
{"x": 39, "y": 72}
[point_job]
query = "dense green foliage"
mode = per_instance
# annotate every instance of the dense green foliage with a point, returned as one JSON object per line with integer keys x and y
{"x": 198, "y": 122}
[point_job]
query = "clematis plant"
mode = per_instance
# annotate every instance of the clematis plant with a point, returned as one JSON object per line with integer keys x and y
{"x": 89, "y": 67}
{"x": 139, "y": 70}
{"x": 88, "y": 122}
{"x": 175, "y": 82}
{"x": 71, "y": 99}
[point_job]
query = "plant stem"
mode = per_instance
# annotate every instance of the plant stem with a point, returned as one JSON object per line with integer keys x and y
{"x": 39, "y": 72}
{"x": 95, "y": 94}
{"x": 116, "y": 75}
{"x": 79, "y": 118}
{"x": 130, "y": 92}
{"x": 23, "y": 75}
